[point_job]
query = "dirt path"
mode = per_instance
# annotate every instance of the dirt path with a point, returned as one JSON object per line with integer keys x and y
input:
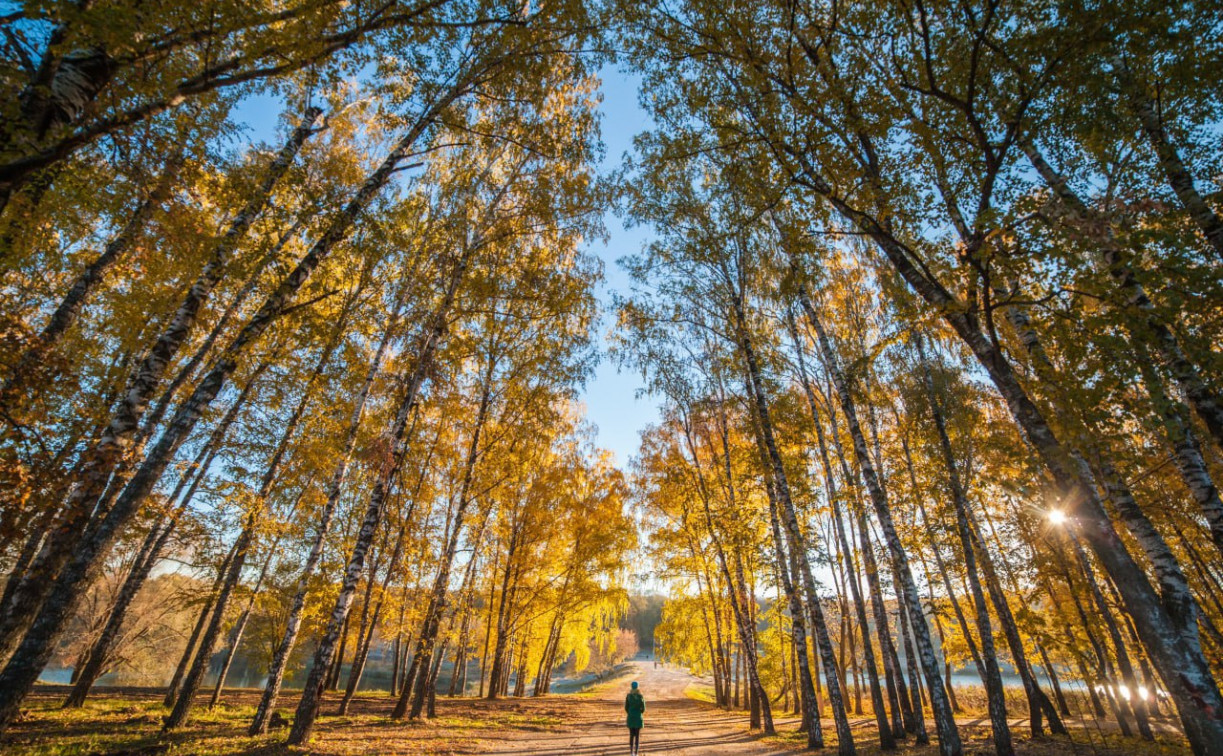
{"x": 677, "y": 724}
{"x": 674, "y": 724}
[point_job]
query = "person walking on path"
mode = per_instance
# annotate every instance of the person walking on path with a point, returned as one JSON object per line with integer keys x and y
{"x": 634, "y": 705}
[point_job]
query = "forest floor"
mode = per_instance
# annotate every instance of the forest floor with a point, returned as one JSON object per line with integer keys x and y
{"x": 127, "y": 721}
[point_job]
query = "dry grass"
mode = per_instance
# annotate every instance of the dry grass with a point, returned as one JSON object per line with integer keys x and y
{"x": 128, "y": 721}
{"x": 1088, "y": 737}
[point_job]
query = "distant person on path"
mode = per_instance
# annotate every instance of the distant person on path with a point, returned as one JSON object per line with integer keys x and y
{"x": 634, "y": 705}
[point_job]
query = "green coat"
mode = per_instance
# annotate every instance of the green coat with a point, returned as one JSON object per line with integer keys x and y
{"x": 634, "y": 704}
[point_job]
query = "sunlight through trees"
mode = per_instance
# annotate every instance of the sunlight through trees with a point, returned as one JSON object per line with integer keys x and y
{"x": 929, "y": 306}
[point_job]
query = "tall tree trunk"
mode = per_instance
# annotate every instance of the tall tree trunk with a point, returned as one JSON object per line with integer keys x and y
{"x": 462, "y": 662}
{"x": 208, "y": 641}
{"x": 1174, "y": 169}
{"x": 488, "y": 621}
{"x": 458, "y": 677}
{"x": 462, "y": 612}
{"x": 205, "y": 612}
{"x": 108, "y": 454}
{"x": 362, "y": 625}
{"x": 191, "y": 683}
{"x": 1148, "y": 328}
{"x": 520, "y": 675}
{"x": 1177, "y": 599}
{"x": 542, "y": 677}
{"x": 1007, "y": 618}
{"x": 1038, "y": 702}
{"x": 397, "y": 657}
{"x": 409, "y": 675}
{"x": 783, "y": 565}
{"x": 1185, "y": 447}
{"x": 1148, "y": 676}
{"x": 240, "y": 627}
{"x": 93, "y": 663}
{"x": 994, "y": 692}
{"x": 904, "y": 612}
{"x": 335, "y": 487}
{"x": 39, "y": 530}
{"x": 831, "y": 492}
{"x": 431, "y": 684}
{"x": 155, "y": 542}
{"x": 1123, "y": 658}
{"x": 785, "y": 502}
{"x": 1195, "y": 692}
{"x": 367, "y": 601}
{"x": 787, "y": 572}
{"x": 19, "y": 387}
{"x": 958, "y": 610}
{"x": 498, "y": 671}
{"x": 938, "y": 626}
{"x": 22, "y": 671}
{"x": 735, "y": 675}
{"x": 187, "y": 371}
{"x": 1103, "y": 674}
{"x": 898, "y": 694}
{"x": 434, "y": 332}
{"x": 944, "y": 719}
{"x": 1052, "y": 674}
{"x": 736, "y": 585}
{"x": 871, "y": 568}
{"x": 713, "y": 630}
{"x": 362, "y": 655}
{"x": 886, "y": 738}
{"x": 330, "y": 680}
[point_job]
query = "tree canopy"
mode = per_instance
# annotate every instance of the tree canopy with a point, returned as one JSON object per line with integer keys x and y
{"x": 930, "y": 305}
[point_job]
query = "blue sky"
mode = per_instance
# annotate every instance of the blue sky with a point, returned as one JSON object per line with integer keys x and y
{"x": 610, "y": 396}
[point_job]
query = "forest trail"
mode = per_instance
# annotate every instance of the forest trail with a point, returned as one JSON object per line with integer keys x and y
{"x": 677, "y": 724}
{"x": 674, "y": 723}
